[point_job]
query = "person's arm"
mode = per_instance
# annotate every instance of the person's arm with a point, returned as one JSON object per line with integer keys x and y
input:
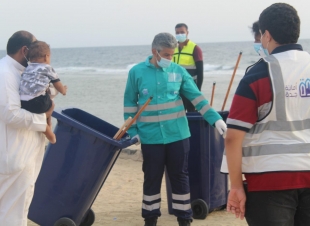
{"x": 240, "y": 120}
{"x": 10, "y": 108}
{"x": 199, "y": 68}
{"x": 198, "y": 57}
{"x": 191, "y": 92}
{"x": 131, "y": 102}
{"x": 53, "y": 76}
{"x": 233, "y": 147}
{"x": 60, "y": 87}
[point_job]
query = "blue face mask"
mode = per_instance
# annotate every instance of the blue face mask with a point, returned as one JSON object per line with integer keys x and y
{"x": 163, "y": 63}
{"x": 257, "y": 47}
{"x": 181, "y": 37}
{"x": 265, "y": 51}
{"x": 260, "y": 50}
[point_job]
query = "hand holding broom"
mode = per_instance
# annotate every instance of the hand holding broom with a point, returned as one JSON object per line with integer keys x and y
{"x": 121, "y": 133}
{"x": 125, "y": 125}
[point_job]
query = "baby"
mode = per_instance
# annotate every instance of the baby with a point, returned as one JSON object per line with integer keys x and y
{"x": 35, "y": 83}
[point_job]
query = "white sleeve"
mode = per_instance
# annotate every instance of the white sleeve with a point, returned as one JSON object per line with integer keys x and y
{"x": 10, "y": 108}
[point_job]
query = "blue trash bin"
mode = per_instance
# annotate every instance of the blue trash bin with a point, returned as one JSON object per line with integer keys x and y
{"x": 74, "y": 169}
{"x": 208, "y": 187}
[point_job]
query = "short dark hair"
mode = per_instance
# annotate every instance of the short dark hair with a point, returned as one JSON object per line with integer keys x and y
{"x": 38, "y": 49}
{"x": 18, "y": 40}
{"x": 255, "y": 28}
{"x": 282, "y": 21}
{"x": 181, "y": 25}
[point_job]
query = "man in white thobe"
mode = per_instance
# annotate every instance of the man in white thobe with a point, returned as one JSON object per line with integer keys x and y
{"x": 21, "y": 138}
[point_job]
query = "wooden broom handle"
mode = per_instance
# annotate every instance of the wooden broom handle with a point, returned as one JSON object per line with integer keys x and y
{"x": 212, "y": 95}
{"x": 231, "y": 80}
{"x": 134, "y": 118}
{"x": 122, "y": 128}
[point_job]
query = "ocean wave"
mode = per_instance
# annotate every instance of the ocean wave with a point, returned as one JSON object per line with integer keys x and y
{"x": 215, "y": 67}
{"x": 224, "y": 72}
{"x": 89, "y": 70}
{"x": 219, "y": 69}
{"x": 130, "y": 66}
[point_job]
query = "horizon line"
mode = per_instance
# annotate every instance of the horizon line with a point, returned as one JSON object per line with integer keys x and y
{"x": 148, "y": 44}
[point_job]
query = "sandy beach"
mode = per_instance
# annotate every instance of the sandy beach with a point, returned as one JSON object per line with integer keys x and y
{"x": 119, "y": 201}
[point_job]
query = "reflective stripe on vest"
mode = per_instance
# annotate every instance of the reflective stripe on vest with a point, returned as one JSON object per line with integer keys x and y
{"x": 281, "y": 126}
{"x": 188, "y": 67}
{"x": 185, "y": 57}
{"x": 273, "y": 162}
{"x": 274, "y": 149}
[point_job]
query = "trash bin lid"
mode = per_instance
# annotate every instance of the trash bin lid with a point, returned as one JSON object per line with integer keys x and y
{"x": 90, "y": 124}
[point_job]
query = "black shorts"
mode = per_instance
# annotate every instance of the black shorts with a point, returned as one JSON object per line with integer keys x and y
{"x": 38, "y": 105}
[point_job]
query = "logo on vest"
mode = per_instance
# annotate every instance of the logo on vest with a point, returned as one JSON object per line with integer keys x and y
{"x": 291, "y": 90}
{"x": 304, "y": 88}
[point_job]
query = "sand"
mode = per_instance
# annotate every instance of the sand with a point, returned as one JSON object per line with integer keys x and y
{"x": 119, "y": 201}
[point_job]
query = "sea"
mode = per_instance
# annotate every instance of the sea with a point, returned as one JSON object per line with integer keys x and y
{"x": 96, "y": 76}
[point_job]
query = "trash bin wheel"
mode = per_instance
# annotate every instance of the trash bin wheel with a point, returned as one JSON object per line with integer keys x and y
{"x": 200, "y": 209}
{"x": 64, "y": 221}
{"x": 89, "y": 219}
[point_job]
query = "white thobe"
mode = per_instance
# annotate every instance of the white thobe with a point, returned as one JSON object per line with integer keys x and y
{"x": 21, "y": 147}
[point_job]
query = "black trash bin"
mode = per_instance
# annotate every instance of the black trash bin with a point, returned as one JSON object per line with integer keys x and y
{"x": 74, "y": 169}
{"x": 208, "y": 187}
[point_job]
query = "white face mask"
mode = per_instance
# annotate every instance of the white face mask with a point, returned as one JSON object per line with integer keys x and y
{"x": 163, "y": 63}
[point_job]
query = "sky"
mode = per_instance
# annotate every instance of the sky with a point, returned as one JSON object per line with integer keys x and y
{"x": 92, "y": 23}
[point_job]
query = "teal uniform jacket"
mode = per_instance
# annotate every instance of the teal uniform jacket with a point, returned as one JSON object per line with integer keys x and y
{"x": 164, "y": 120}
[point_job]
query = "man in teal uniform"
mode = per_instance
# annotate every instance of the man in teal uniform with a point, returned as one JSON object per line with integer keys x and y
{"x": 162, "y": 128}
